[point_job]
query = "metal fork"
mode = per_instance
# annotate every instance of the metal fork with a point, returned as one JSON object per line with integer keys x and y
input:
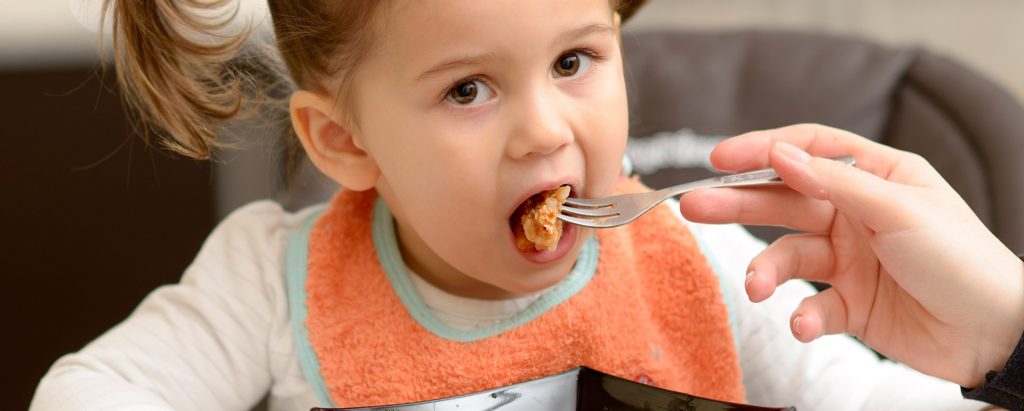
{"x": 621, "y": 209}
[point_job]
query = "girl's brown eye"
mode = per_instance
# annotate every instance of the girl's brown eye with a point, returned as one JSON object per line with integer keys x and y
{"x": 568, "y": 64}
{"x": 469, "y": 93}
{"x": 463, "y": 93}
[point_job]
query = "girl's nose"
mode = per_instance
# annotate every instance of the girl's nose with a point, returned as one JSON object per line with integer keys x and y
{"x": 541, "y": 127}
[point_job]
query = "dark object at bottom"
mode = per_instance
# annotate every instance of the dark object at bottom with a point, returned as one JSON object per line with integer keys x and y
{"x": 577, "y": 389}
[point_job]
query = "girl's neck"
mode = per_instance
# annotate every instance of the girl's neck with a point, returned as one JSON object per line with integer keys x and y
{"x": 418, "y": 258}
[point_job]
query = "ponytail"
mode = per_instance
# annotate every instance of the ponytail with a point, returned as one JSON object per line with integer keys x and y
{"x": 171, "y": 59}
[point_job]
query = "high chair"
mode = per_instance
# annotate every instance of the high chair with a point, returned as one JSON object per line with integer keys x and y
{"x": 728, "y": 82}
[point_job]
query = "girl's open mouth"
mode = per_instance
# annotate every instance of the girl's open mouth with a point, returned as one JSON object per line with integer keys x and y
{"x": 538, "y": 233}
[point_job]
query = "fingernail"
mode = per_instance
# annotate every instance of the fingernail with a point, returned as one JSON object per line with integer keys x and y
{"x": 792, "y": 152}
{"x": 796, "y": 325}
{"x": 750, "y": 277}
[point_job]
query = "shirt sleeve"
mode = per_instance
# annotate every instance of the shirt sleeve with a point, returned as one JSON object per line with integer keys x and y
{"x": 835, "y": 372}
{"x": 199, "y": 344}
{"x": 1004, "y": 388}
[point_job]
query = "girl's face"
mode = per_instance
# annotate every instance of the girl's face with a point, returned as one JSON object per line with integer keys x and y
{"x": 470, "y": 107}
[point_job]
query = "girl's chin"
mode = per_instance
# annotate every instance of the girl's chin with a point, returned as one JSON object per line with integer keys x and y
{"x": 570, "y": 233}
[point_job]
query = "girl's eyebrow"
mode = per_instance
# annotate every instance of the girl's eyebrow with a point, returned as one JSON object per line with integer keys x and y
{"x": 469, "y": 60}
{"x": 584, "y": 31}
{"x": 453, "y": 63}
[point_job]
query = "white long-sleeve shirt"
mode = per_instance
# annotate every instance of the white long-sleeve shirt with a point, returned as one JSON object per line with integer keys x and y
{"x": 221, "y": 339}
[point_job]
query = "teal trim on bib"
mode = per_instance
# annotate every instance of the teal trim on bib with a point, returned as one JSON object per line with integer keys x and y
{"x": 386, "y": 242}
{"x": 295, "y": 265}
{"x": 723, "y": 284}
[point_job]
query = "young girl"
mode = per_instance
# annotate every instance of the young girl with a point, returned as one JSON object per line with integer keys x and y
{"x": 440, "y": 118}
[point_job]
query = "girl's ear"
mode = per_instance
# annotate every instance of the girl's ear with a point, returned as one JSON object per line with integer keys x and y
{"x": 330, "y": 143}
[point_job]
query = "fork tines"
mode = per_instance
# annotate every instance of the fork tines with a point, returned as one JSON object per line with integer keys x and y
{"x": 592, "y": 212}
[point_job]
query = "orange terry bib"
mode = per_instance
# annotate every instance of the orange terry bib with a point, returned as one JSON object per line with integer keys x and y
{"x": 652, "y": 311}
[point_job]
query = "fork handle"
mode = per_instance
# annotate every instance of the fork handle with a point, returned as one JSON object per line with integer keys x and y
{"x": 766, "y": 176}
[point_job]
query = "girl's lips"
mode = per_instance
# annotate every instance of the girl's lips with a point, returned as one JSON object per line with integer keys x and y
{"x": 569, "y": 234}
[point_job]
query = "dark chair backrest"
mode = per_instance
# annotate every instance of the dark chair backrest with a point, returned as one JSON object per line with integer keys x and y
{"x": 725, "y": 83}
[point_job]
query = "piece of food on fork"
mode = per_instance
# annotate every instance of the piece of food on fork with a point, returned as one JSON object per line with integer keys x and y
{"x": 535, "y": 222}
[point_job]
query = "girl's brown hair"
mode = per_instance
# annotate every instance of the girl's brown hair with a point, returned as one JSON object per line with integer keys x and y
{"x": 181, "y": 73}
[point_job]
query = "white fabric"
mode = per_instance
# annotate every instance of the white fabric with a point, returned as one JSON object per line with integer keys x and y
{"x": 467, "y": 314}
{"x": 221, "y": 339}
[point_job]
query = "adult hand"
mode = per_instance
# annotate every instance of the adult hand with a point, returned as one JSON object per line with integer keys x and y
{"x": 914, "y": 273}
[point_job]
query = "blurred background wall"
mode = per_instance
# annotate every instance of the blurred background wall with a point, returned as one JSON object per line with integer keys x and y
{"x": 96, "y": 220}
{"x": 985, "y": 34}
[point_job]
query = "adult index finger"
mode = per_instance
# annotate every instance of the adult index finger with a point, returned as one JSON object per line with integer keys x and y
{"x": 751, "y": 151}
